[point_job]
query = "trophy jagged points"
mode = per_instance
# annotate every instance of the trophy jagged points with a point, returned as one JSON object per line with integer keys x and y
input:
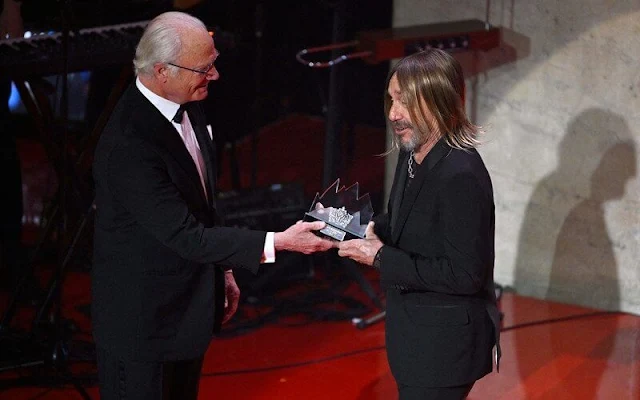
{"x": 345, "y": 212}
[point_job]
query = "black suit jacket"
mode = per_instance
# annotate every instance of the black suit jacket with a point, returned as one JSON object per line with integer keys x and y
{"x": 157, "y": 281}
{"x": 437, "y": 269}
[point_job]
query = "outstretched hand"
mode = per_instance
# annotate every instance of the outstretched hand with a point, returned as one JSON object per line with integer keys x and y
{"x": 361, "y": 250}
{"x": 301, "y": 238}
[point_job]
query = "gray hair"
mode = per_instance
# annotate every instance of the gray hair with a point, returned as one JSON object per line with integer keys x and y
{"x": 161, "y": 41}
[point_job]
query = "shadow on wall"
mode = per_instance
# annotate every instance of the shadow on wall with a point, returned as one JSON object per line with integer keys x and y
{"x": 584, "y": 269}
{"x": 564, "y": 250}
{"x": 565, "y": 253}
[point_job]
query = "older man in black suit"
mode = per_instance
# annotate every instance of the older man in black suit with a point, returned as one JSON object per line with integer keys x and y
{"x": 435, "y": 246}
{"x": 162, "y": 280}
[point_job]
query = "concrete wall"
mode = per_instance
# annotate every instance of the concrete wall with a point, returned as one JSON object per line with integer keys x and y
{"x": 560, "y": 101}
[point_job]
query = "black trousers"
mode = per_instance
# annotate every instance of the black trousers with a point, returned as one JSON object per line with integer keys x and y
{"x": 123, "y": 379}
{"x": 443, "y": 393}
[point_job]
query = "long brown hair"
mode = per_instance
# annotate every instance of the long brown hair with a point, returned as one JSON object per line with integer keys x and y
{"x": 433, "y": 80}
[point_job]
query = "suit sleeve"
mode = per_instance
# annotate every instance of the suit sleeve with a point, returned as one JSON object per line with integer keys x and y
{"x": 463, "y": 260}
{"x": 139, "y": 182}
{"x": 381, "y": 227}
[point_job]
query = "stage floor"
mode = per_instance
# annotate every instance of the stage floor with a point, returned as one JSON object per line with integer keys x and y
{"x": 308, "y": 350}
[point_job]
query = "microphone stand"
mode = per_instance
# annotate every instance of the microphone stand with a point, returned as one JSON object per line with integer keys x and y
{"x": 333, "y": 160}
{"x": 335, "y": 115}
{"x": 367, "y": 322}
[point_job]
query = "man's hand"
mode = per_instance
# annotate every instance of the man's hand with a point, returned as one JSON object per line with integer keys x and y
{"x": 300, "y": 238}
{"x": 231, "y": 296}
{"x": 361, "y": 250}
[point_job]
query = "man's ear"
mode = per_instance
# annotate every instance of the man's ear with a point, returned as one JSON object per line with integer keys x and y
{"x": 161, "y": 72}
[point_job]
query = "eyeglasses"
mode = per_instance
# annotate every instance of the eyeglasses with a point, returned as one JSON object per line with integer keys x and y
{"x": 204, "y": 71}
{"x": 199, "y": 71}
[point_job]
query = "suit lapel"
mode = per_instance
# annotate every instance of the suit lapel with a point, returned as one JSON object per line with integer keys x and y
{"x": 397, "y": 189}
{"x": 423, "y": 174}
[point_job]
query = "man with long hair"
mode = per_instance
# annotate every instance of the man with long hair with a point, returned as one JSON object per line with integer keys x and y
{"x": 434, "y": 247}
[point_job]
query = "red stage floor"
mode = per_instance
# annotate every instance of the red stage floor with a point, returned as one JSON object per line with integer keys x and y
{"x": 551, "y": 351}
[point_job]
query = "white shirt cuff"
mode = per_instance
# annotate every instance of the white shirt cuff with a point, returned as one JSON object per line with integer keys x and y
{"x": 269, "y": 252}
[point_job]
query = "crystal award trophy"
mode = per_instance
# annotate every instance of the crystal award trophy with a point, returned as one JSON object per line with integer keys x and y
{"x": 345, "y": 213}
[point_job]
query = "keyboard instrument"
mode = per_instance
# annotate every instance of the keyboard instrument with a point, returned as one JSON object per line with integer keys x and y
{"x": 88, "y": 48}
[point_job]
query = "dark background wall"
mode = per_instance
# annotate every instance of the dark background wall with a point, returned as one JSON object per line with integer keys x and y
{"x": 263, "y": 76}
{"x": 261, "y": 80}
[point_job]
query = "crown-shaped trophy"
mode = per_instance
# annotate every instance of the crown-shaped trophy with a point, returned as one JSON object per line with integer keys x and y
{"x": 345, "y": 213}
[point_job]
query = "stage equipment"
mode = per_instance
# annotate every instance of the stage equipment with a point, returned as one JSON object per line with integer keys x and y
{"x": 90, "y": 48}
{"x": 381, "y": 45}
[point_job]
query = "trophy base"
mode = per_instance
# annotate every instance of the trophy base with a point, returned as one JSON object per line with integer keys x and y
{"x": 331, "y": 231}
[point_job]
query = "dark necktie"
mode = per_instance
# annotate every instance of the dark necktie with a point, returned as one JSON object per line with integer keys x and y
{"x": 178, "y": 117}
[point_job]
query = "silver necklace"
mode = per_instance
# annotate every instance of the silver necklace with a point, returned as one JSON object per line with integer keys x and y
{"x": 410, "y": 168}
